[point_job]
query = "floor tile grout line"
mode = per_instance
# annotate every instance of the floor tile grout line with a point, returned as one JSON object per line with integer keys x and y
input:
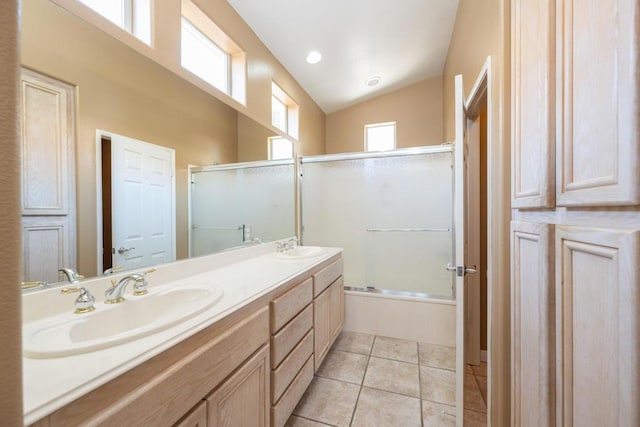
{"x": 420, "y": 389}
{"x": 315, "y": 421}
{"x": 355, "y": 407}
{"x": 480, "y": 390}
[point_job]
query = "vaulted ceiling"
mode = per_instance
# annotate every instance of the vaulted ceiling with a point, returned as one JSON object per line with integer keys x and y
{"x": 402, "y": 42}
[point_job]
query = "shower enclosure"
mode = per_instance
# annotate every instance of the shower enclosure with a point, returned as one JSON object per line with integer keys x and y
{"x": 392, "y": 212}
{"x": 234, "y": 204}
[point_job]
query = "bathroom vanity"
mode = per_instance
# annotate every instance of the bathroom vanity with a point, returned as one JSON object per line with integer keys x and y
{"x": 245, "y": 360}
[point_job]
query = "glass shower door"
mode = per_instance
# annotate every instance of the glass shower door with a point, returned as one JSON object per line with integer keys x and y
{"x": 408, "y": 225}
{"x": 216, "y": 211}
{"x": 239, "y": 203}
{"x": 391, "y": 213}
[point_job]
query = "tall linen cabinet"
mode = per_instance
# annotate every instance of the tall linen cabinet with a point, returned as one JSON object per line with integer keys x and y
{"x": 575, "y": 231}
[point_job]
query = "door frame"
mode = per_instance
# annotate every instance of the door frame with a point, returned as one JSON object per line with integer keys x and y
{"x": 99, "y": 223}
{"x": 479, "y": 97}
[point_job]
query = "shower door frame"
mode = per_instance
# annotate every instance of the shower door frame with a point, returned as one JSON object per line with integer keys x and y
{"x": 446, "y": 147}
{"x": 231, "y": 166}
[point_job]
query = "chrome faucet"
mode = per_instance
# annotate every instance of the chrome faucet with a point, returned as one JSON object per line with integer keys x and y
{"x": 291, "y": 243}
{"x": 114, "y": 293}
{"x": 288, "y": 245}
{"x": 72, "y": 275}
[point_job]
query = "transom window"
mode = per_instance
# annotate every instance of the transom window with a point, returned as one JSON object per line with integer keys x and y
{"x": 380, "y": 136}
{"x": 133, "y": 16}
{"x": 210, "y": 54}
{"x": 284, "y": 111}
{"x": 203, "y": 57}
{"x": 280, "y": 148}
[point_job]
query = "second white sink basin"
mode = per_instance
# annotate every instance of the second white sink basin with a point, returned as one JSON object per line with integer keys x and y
{"x": 112, "y": 324}
{"x": 301, "y": 252}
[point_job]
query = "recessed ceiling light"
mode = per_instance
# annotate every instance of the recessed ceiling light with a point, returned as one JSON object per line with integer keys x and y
{"x": 314, "y": 57}
{"x": 372, "y": 81}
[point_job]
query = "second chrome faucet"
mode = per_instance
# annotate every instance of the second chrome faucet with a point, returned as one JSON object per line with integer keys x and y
{"x": 114, "y": 293}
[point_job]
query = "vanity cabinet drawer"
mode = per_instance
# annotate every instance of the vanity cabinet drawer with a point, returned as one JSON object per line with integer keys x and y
{"x": 282, "y": 410}
{"x": 196, "y": 418}
{"x": 285, "y": 307}
{"x": 325, "y": 277}
{"x": 281, "y": 377}
{"x": 284, "y": 341}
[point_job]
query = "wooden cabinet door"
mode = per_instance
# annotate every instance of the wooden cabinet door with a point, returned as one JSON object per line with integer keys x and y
{"x": 336, "y": 310}
{"x": 533, "y": 103}
{"x": 321, "y": 326}
{"x": 598, "y": 326}
{"x": 197, "y": 417}
{"x": 48, "y": 177}
{"x": 533, "y": 329}
{"x": 243, "y": 399}
{"x": 598, "y": 155}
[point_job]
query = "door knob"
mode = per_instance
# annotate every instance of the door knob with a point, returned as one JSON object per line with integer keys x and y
{"x": 123, "y": 250}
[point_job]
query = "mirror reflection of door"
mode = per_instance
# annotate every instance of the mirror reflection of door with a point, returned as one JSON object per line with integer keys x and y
{"x": 138, "y": 203}
{"x": 48, "y": 177}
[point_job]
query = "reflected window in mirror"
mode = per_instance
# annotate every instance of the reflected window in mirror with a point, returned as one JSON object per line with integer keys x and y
{"x": 280, "y": 148}
{"x": 284, "y": 111}
{"x": 133, "y": 16}
{"x": 209, "y": 53}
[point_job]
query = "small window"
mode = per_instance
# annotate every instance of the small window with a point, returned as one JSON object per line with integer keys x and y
{"x": 203, "y": 57}
{"x": 284, "y": 111}
{"x": 280, "y": 148}
{"x": 380, "y": 136}
{"x": 133, "y": 16}
{"x": 210, "y": 54}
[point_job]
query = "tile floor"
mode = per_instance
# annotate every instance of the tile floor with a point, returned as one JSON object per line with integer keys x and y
{"x": 368, "y": 380}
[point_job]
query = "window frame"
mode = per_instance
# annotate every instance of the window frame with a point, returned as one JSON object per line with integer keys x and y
{"x": 237, "y": 57}
{"x": 270, "y": 141}
{"x": 292, "y": 111}
{"x": 380, "y": 125}
{"x": 198, "y": 33}
{"x": 130, "y": 23}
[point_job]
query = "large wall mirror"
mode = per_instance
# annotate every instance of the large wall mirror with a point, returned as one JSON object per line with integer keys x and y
{"x": 85, "y": 88}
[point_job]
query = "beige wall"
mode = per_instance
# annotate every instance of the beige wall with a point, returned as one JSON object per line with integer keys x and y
{"x": 10, "y": 320}
{"x": 252, "y": 140}
{"x": 416, "y": 109}
{"x": 482, "y": 29}
{"x": 121, "y": 91}
{"x": 262, "y": 69}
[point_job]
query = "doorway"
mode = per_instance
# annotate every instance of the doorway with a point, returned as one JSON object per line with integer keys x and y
{"x": 474, "y": 318}
{"x": 136, "y": 203}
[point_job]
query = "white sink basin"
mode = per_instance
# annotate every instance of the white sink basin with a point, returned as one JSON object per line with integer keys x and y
{"x": 112, "y": 324}
{"x": 301, "y": 252}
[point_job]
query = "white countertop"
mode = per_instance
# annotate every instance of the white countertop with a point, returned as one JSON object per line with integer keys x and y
{"x": 243, "y": 275}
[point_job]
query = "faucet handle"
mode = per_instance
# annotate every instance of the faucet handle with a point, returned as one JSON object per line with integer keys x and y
{"x": 32, "y": 285}
{"x": 84, "y": 302}
{"x": 140, "y": 285}
{"x": 112, "y": 270}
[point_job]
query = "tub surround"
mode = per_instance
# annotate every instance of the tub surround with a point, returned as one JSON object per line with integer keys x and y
{"x": 249, "y": 279}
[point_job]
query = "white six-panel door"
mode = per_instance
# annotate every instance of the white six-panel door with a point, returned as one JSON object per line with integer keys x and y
{"x": 143, "y": 203}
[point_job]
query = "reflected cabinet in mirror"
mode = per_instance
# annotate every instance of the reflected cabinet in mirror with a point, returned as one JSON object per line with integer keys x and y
{"x": 118, "y": 154}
